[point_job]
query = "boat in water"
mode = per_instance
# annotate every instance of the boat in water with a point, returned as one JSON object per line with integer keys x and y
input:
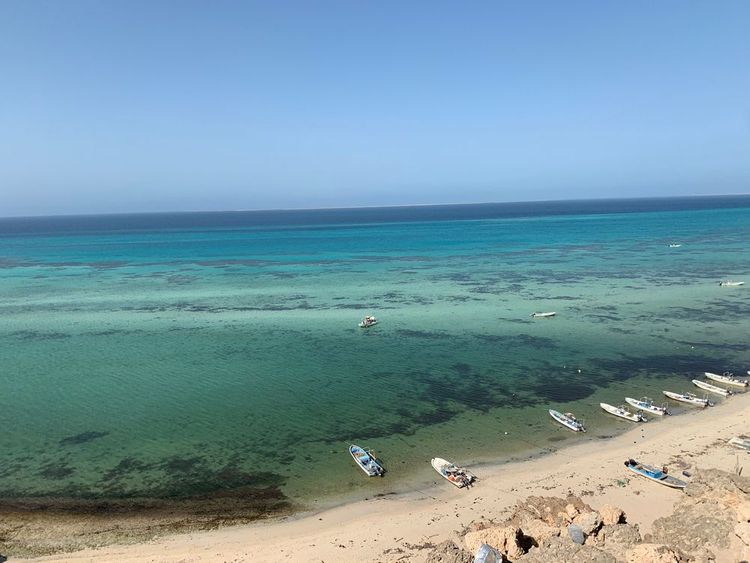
{"x": 568, "y": 420}
{"x": 544, "y": 315}
{"x": 730, "y": 283}
{"x": 675, "y": 245}
{"x": 366, "y": 461}
{"x": 712, "y": 388}
{"x": 655, "y": 474}
{"x": 458, "y": 476}
{"x": 622, "y": 412}
{"x": 728, "y": 378}
{"x": 689, "y": 398}
{"x": 646, "y": 404}
{"x": 368, "y": 321}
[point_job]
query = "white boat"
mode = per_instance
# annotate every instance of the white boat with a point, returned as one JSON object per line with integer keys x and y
{"x": 567, "y": 420}
{"x": 740, "y": 442}
{"x": 728, "y": 378}
{"x": 675, "y": 245}
{"x": 646, "y": 404}
{"x": 368, "y": 321}
{"x": 458, "y": 476}
{"x": 730, "y": 283}
{"x": 366, "y": 461}
{"x": 689, "y": 398}
{"x": 622, "y": 412}
{"x": 712, "y": 388}
{"x": 543, "y": 315}
{"x": 655, "y": 474}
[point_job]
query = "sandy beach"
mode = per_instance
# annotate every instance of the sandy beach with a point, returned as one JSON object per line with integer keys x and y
{"x": 400, "y": 527}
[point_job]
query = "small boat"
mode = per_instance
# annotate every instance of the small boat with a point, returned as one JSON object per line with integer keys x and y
{"x": 658, "y": 475}
{"x": 543, "y": 315}
{"x": 366, "y": 461}
{"x": 646, "y": 404}
{"x": 622, "y": 412}
{"x": 728, "y": 378}
{"x": 567, "y": 420}
{"x": 689, "y": 398}
{"x": 740, "y": 442}
{"x": 712, "y": 388}
{"x": 368, "y": 321}
{"x": 730, "y": 283}
{"x": 459, "y": 476}
{"x": 673, "y": 245}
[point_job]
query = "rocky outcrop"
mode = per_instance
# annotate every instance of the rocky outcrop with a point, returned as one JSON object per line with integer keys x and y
{"x": 652, "y": 553}
{"x": 562, "y": 549}
{"x": 506, "y": 539}
{"x": 611, "y": 515}
{"x": 448, "y": 552}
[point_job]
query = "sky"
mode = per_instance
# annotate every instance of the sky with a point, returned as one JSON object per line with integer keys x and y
{"x": 128, "y": 106}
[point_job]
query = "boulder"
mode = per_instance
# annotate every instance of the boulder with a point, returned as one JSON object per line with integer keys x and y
{"x": 571, "y": 511}
{"x": 576, "y": 534}
{"x": 562, "y": 549}
{"x": 449, "y": 552}
{"x": 588, "y": 521}
{"x": 506, "y": 539}
{"x": 537, "y": 531}
{"x": 622, "y": 534}
{"x": 611, "y": 515}
{"x": 742, "y": 531}
{"x": 651, "y": 553}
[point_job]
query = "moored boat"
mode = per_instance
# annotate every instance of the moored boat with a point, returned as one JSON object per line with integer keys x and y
{"x": 728, "y": 378}
{"x": 622, "y": 412}
{"x": 655, "y": 474}
{"x": 458, "y": 476}
{"x": 688, "y": 398}
{"x": 543, "y": 315}
{"x": 368, "y": 321}
{"x": 366, "y": 461}
{"x": 646, "y": 404}
{"x": 730, "y": 283}
{"x": 712, "y": 388}
{"x": 568, "y": 420}
{"x": 675, "y": 245}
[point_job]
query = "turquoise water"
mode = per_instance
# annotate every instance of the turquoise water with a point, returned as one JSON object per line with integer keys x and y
{"x": 166, "y": 362}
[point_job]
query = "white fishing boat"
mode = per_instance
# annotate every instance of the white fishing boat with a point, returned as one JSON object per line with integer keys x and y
{"x": 365, "y": 460}
{"x": 728, "y": 378}
{"x": 568, "y": 420}
{"x": 730, "y": 283}
{"x": 543, "y": 315}
{"x": 740, "y": 442}
{"x": 368, "y": 321}
{"x": 655, "y": 474}
{"x": 646, "y": 404}
{"x": 688, "y": 398}
{"x": 673, "y": 245}
{"x": 712, "y": 388}
{"x": 622, "y": 412}
{"x": 458, "y": 476}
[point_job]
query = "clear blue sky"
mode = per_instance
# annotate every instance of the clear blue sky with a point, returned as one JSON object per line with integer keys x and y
{"x": 117, "y": 106}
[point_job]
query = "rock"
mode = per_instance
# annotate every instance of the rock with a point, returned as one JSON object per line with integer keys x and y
{"x": 694, "y": 525}
{"x": 571, "y": 510}
{"x": 537, "y": 531}
{"x": 611, "y": 515}
{"x": 562, "y": 549}
{"x": 506, "y": 539}
{"x": 742, "y": 531}
{"x": 449, "y": 552}
{"x": 743, "y": 511}
{"x": 588, "y": 521}
{"x": 576, "y": 534}
{"x": 651, "y": 553}
{"x": 622, "y": 534}
{"x": 552, "y": 510}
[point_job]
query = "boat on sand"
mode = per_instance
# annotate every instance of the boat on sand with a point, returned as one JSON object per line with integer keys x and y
{"x": 366, "y": 461}
{"x": 646, "y": 404}
{"x": 568, "y": 420}
{"x": 622, "y": 412}
{"x": 740, "y": 442}
{"x": 543, "y": 315}
{"x": 458, "y": 476}
{"x": 728, "y": 378}
{"x": 655, "y": 474}
{"x": 712, "y": 388}
{"x": 688, "y": 398}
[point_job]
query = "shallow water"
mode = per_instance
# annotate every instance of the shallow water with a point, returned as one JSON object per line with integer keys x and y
{"x": 171, "y": 361}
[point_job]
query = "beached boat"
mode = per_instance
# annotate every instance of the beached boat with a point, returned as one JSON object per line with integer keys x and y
{"x": 622, "y": 412}
{"x": 712, "y": 388}
{"x": 728, "y": 378}
{"x": 730, "y": 283}
{"x": 646, "y": 404}
{"x": 458, "y": 476}
{"x": 655, "y": 474}
{"x": 543, "y": 315}
{"x": 366, "y": 461}
{"x": 368, "y": 321}
{"x": 688, "y": 398}
{"x": 740, "y": 442}
{"x": 568, "y": 420}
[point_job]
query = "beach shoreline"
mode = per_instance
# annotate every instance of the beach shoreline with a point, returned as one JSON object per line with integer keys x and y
{"x": 388, "y": 527}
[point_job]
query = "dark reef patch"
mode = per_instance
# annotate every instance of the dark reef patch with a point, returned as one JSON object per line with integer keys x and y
{"x": 82, "y": 438}
{"x": 56, "y": 471}
{"x": 429, "y": 334}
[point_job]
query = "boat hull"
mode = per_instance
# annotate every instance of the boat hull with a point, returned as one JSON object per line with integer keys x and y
{"x": 567, "y": 422}
{"x": 442, "y": 466}
{"x": 711, "y": 388}
{"x": 701, "y": 403}
{"x": 726, "y": 380}
{"x": 653, "y": 409}
{"x": 366, "y": 462}
{"x": 622, "y": 413}
{"x": 655, "y": 475}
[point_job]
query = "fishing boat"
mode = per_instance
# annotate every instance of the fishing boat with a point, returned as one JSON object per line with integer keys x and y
{"x": 712, "y": 388}
{"x": 740, "y": 442}
{"x": 568, "y": 420}
{"x": 458, "y": 476}
{"x": 622, "y": 412}
{"x": 689, "y": 398}
{"x": 543, "y": 315}
{"x": 730, "y": 283}
{"x": 368, "y": 321}
{"x": 675, "y": 245}
{"x": 366, "y": 461}
{"x": 646, "y": 404}
{"x": 655, "y": 474}
{"x": 728, "y": 378}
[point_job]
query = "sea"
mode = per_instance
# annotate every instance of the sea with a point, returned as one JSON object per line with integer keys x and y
{"x": 188, "y": 355}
